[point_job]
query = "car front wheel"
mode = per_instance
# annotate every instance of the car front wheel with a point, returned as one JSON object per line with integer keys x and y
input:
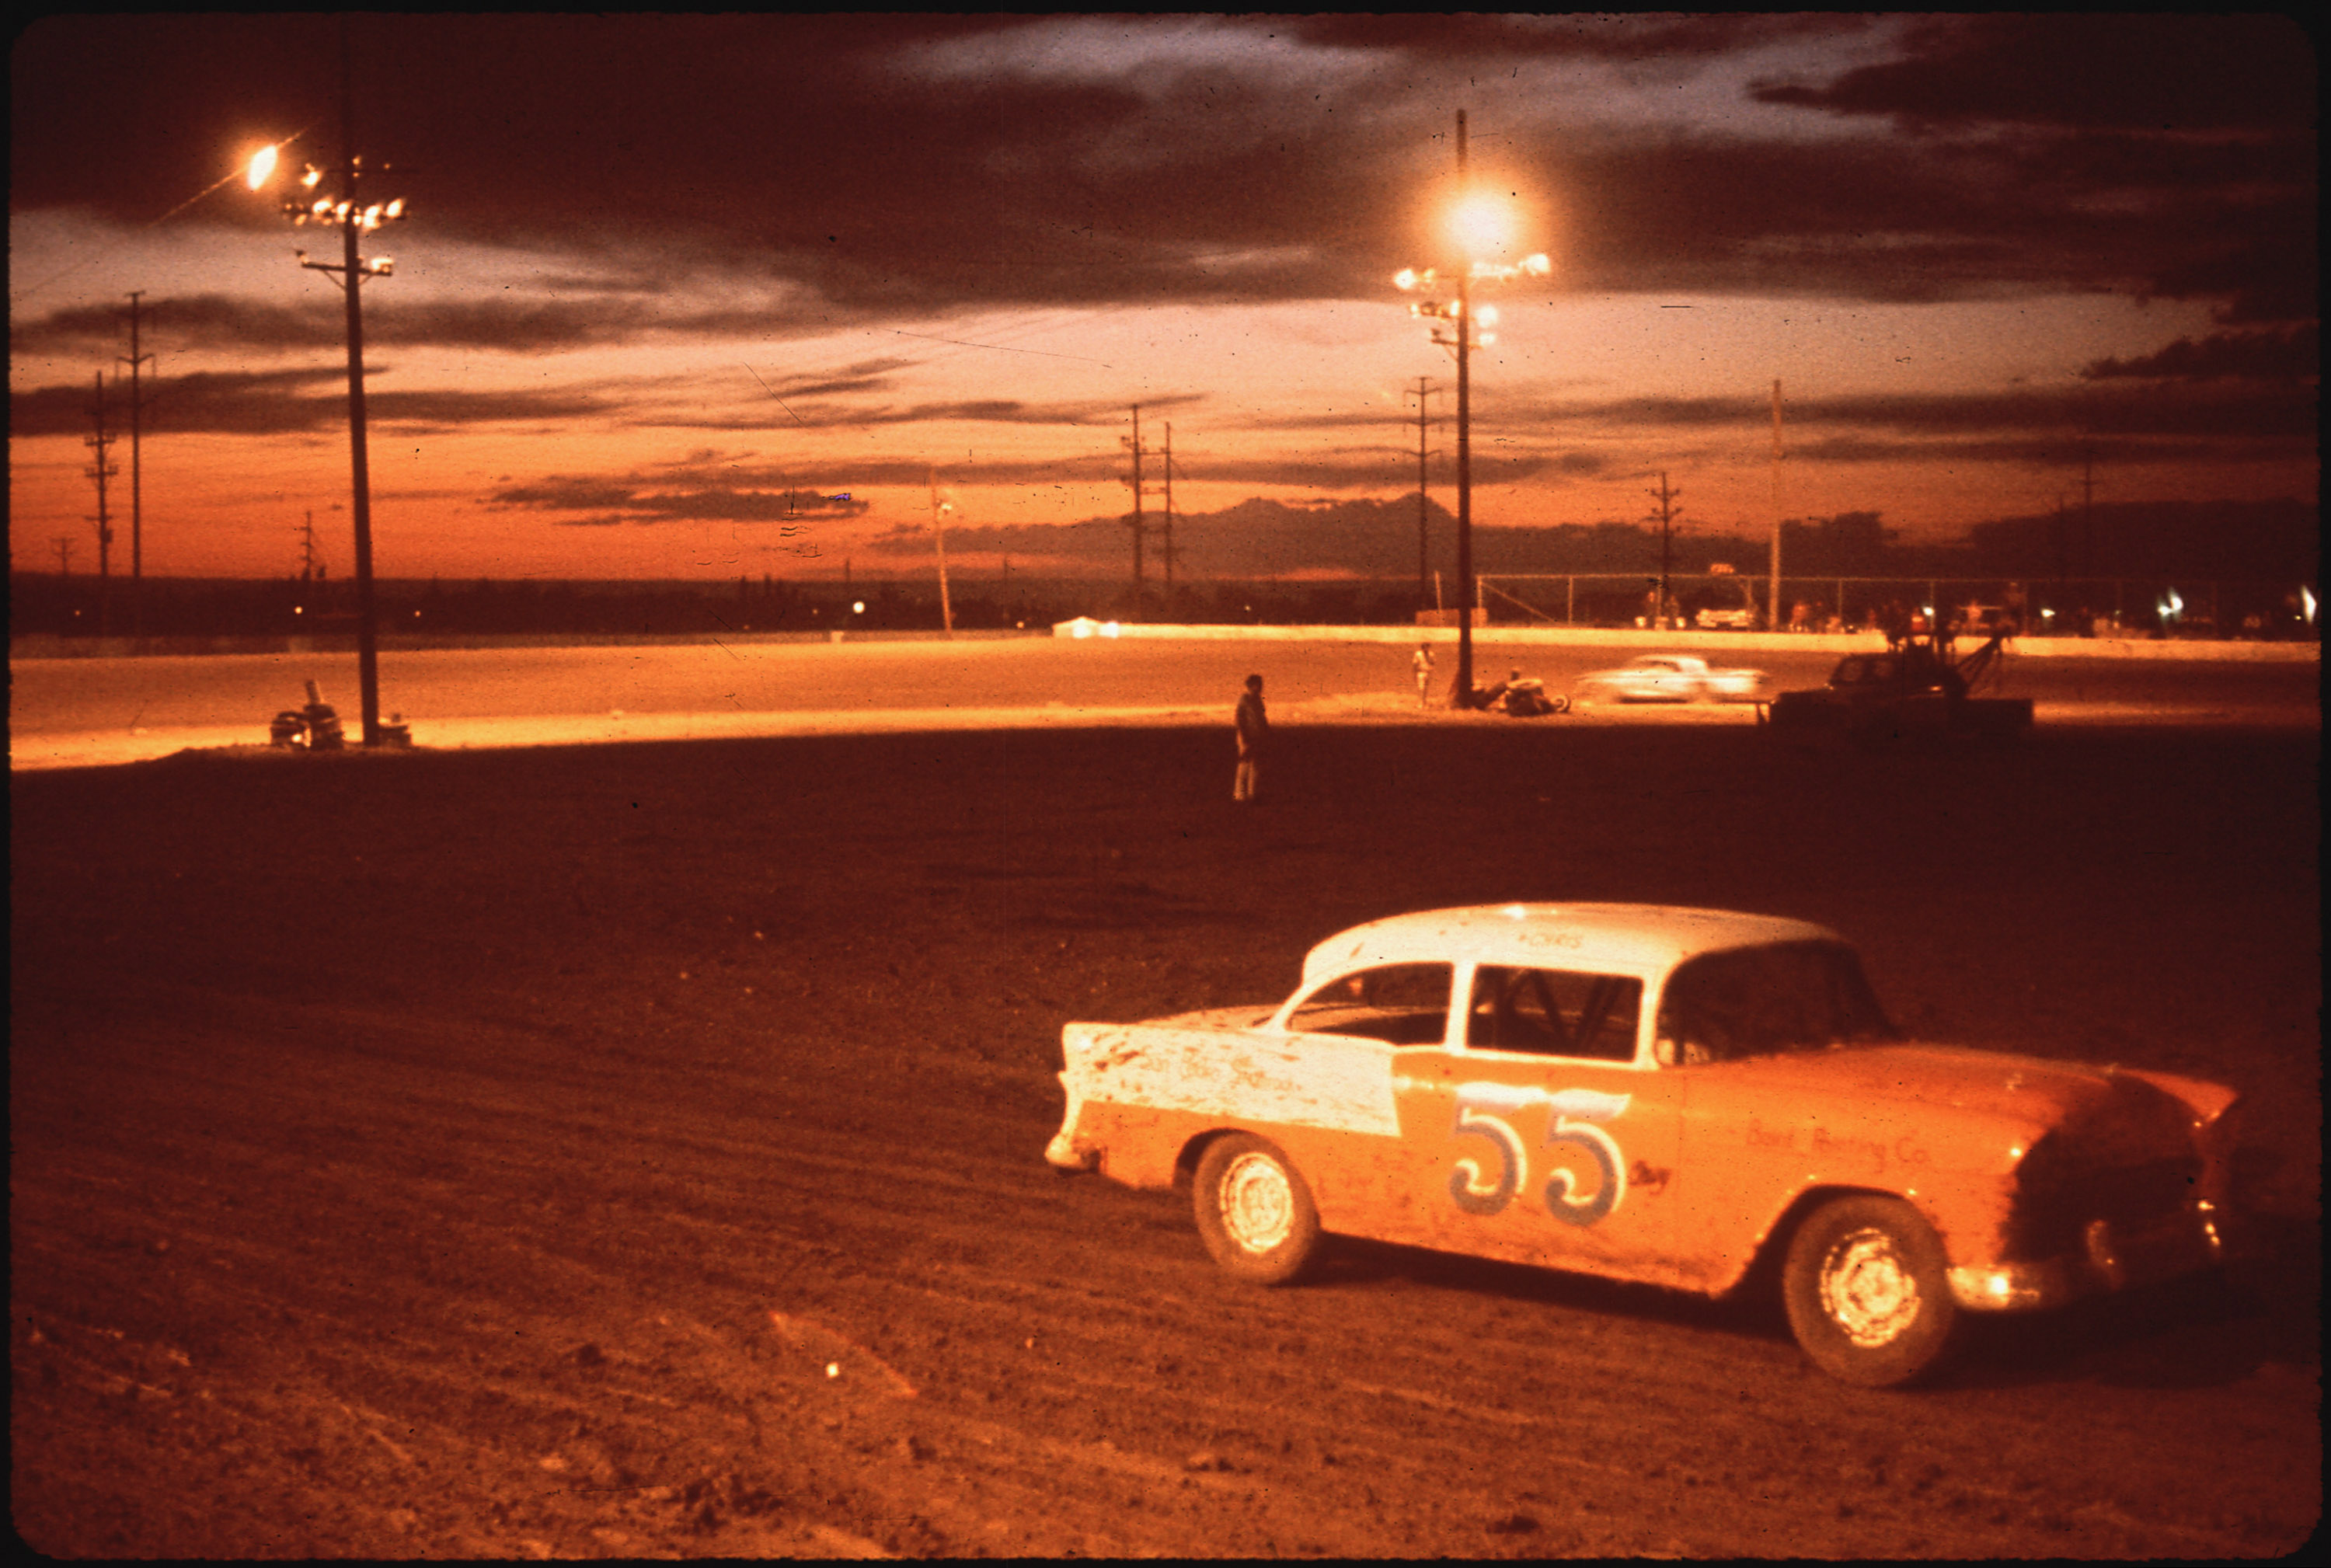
{"x": 1254, "y": 1212}
{"x": 1868, "y": 1291}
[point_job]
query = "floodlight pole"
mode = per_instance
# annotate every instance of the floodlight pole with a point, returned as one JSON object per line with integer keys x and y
{"x": 353, "y": 269}
{"x": 1463, "y": 694}
{"x": 1458, "y": 314}
{"x": 359, "y": 462}
{"x": 938, "y": 536}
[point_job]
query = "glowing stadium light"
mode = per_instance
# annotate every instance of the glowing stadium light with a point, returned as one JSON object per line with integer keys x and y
{"x": 1482, "y": 226}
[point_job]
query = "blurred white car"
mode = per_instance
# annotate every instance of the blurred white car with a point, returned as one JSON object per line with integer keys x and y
{"x": 1672, "y": 677}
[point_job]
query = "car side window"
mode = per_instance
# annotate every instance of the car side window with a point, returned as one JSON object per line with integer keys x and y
{"x": 1553, "y": 1012}
{"x": 1403, "y": 1003}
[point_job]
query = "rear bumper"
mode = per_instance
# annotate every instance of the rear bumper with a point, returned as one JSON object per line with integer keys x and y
{"x": 1071, "y": 1156}
{"x": 1067, "y": 1153}
{"x": 2111, "y": 1259}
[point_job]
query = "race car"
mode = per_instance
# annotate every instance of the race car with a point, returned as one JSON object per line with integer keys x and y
{"x": 1670, "y": 678}
{"x": 1656, "y": 1094}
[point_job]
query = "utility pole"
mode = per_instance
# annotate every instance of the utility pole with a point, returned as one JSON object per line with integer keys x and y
{"x": 1666, "y": 497}
{"x": 1136, "y": 483}
{"x": 311, "y": 569}
{"x": 100, "y": 470}
{"x": 137, "y": 480}
{"x": 2089, "y": 512}
{"x": 64, "y": 544}
{"x": 1774, "y": 620}
{"x": 1166, "y": 536}
{"x": 1423, "y": 574}
{"x": 1139, "y": 526}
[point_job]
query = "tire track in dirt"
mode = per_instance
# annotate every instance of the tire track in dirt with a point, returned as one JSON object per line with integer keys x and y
{"x": 550, "y": 1255}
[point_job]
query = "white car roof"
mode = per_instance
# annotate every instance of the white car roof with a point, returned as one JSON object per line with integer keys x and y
{"x": 1622, "y": 938}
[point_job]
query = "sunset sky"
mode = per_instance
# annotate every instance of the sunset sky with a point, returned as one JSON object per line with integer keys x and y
{"x": 668, "y": 284}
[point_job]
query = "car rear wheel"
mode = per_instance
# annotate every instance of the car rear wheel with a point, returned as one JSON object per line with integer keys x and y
{"x": 1254, "y": 1212}
{"x": 1868, "y": 1292}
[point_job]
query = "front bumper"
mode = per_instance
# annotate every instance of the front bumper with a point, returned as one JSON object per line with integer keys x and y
{"x": 2111, "y": 1259}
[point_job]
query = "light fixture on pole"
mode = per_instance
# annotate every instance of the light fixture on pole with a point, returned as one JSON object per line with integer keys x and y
{"x": 1477, "y": 226}
{"x": 354, "y": 219}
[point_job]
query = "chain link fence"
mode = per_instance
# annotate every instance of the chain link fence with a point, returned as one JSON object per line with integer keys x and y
{"x": 2071, "y": 607}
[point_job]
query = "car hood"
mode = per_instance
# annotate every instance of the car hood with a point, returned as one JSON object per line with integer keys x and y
{"x": 2112, "y": 1114}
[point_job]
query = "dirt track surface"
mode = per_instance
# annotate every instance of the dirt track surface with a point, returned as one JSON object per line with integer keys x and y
{"x": 88, "y": 712}
{"x": 636, "y": 1151}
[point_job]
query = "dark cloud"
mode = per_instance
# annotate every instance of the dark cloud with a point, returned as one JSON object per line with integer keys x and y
{"x": 284, "y": 402}
{"x": 2165, "y": 155}
{"x": 1983, "y": 218}
{"x": 188, "y": 322}
{"x": 1421, "y": 36}
{"x": 604, "y": 501}
{"x": 2295, "y": 355}
{"x": 2167, "y": 72}
{"x": 267, "y": 402}
{"x": 2198, "y": 409}
{"x": 516, "y": 324}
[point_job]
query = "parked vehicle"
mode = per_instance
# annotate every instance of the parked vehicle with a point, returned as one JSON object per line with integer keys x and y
{"x": 1915, "y": 688}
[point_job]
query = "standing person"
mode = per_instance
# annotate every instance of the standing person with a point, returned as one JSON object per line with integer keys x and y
{"x": 1253, "y": 728}
{"x": 1423, "y": 673}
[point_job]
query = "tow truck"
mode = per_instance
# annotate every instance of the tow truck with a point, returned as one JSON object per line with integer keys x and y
{"x": 1917, "y": 689}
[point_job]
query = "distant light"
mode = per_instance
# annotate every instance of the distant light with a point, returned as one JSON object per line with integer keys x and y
{"x": 1406, "y": 278}
{"x": 858, "y": 607}
{"x": 261, "y": 169}
{"x": 1109, "y": 629}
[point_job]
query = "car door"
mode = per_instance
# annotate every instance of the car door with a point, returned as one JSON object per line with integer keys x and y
{"x": 1540, "y": 1134}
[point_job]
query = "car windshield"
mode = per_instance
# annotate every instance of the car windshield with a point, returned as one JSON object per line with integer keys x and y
{"x": 1760, "y": 1001}
{"x": 1403, "y": 1004}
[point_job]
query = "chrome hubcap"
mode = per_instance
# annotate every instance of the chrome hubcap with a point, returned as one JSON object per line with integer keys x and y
{"x": 1867, "y": 1289}
{"x": 1257, "y": 1203}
